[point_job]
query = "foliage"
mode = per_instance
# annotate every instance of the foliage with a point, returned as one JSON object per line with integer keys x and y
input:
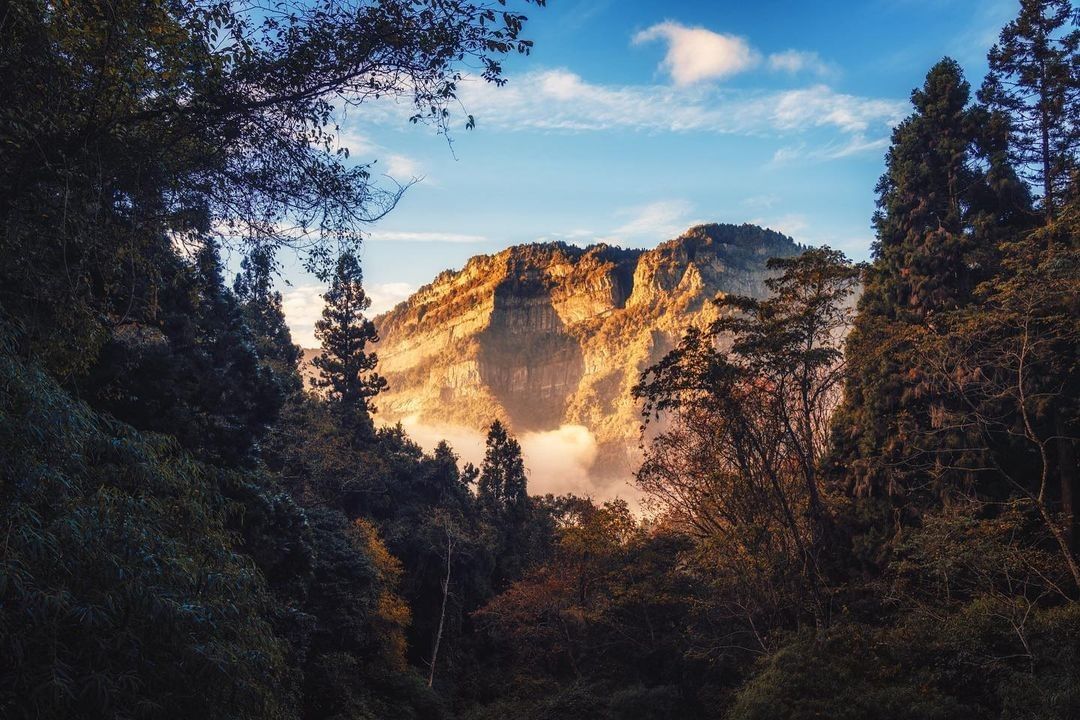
{"x": 265, "y": 317}
{"x": 888, "y": 531}
{"x": 967, "y": 664}
{"x": 346, "y": 369}
{"x": 946, "y": 200}
{"x": 739, "y": 468}
{"x": 1035, "y": 78}
{"x": 147, "y": 125}
{"x": 122, "y": 594}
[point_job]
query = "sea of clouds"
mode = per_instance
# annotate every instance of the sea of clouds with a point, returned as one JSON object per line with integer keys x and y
{"x": 558, "y": 461}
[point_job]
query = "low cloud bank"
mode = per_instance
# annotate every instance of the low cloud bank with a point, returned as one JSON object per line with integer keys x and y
{"x": 557, "y": 461}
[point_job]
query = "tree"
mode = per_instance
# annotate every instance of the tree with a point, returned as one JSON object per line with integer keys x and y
{"x": 1034, "y": 78}
{"x": 346, "y": 368}
{"x": 150, "y": 124}
{"x": 123, "y": 593}
{"x": 502, "y": 486}
{"x": 502, "y": 492}
{"x": 739, "y": 468}
{"x": 262, "y": 308}
{"x": 946, "y": 200}
{"x": 1006, "y": 375}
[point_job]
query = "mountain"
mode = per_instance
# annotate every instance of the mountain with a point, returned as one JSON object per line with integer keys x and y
{"x": 548, "y": 335}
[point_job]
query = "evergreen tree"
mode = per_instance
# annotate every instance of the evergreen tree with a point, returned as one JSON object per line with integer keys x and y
{"x": 346, "y": 368}
{"x": 193, "y": 372}
{"x": 502, "y": 486}
{"x": 1035, "y": 78}
{"x": 946, "y": 200}
{"x": 262, "y": 308}
{"x": 505, "y": 505}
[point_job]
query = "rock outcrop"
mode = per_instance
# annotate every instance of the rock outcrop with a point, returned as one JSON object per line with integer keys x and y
{"x": 550, "y": 334}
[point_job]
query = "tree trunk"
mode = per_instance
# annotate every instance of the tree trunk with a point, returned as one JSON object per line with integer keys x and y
{"x": 1067, "y": 472}
{"x": 442, "y": 611}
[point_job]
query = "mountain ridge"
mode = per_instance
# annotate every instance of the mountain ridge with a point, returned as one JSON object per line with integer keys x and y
{"x": 544, "y": 335}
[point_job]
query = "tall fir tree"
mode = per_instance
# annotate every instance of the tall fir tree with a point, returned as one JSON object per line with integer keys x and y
{"x": 503, "y": 495}
{"x": 947, "y": 198}
{"x": 346, "y": 369}
{"x": 1034, "y": 78}
{"x": 265, "y": 316}
{"x": 502, "y": 486}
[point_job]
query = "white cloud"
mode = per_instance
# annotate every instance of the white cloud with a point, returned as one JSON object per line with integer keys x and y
{"x": 439, "y": 237}
{"x": 402, "y": 167}
{"x": 303, "y": 305}
{"x": 653, "y": 222}
{"x": 796, "y": 61}
{"x": 557, "y": 461}
{"x": 819, "y": 106}
{"x": 357, "y": 143}
{"x": 788, "y": 154}
{"x": 854, "y": 145}
{"x": 695, "y": 53}
{"x": 363, "y": 149}
{"x": 385, "y": 296}
{"x": 559, "y": 100}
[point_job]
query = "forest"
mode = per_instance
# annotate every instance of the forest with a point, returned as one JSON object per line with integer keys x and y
{"x": 863, "y": 490}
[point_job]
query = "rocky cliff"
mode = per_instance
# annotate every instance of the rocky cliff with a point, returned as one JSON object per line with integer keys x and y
{"x": 546, "y": 335}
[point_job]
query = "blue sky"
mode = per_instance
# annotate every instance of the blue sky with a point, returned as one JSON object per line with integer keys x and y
{"x": 632, "y": 120}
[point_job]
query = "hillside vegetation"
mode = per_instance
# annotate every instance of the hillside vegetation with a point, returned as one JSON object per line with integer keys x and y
{"x": 857, "y": 509}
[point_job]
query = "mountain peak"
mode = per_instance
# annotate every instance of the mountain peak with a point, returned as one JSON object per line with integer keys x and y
{"x": 546, "y": 334}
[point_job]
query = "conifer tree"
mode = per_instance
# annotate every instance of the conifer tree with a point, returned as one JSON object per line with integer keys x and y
{"x": 262, "y": 307}
{"x": 504, "y": 502}
{"x": 346, "y": 368}
{"x": 1035, "y": 79}
{"x": 947, "y": 198}
{"x": 502, "y": 485}
{"x": 230, "y": 397}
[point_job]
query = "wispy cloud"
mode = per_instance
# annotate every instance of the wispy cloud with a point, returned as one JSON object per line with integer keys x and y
{"x": 638, "y": 225}
{"x": 695, "y": 53}
{"x": 303, "y": 306}
{"x": 363, "y": 149}
{"x": 760, "y": 202}
{"x": 796, "y": 61}
{"x": 793, "y": 225}
{"x": 402, "y": 167}
{"x": 434, "y": 237}
{"x": 854, "y": 145}
{"x": 652, "y": 222}
{"x": 562, "y": 101}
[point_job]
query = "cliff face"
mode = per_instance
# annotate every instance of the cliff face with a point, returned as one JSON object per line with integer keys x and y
{"x": 549, "y": 334}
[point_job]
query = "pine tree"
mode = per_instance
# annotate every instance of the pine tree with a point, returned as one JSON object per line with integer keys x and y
{"x": 505, "y": 506}
{"x": 1035, "y": 79}
{"x": 230, "y": 396}
{"x": 346, "y": 368}
{"x": 502, "y": 486}
{"x": 262, "y": 307}
{"x": 946, "y": 200}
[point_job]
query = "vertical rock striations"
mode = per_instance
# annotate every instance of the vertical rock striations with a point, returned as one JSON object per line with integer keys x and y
{"x": 549, "y": 334}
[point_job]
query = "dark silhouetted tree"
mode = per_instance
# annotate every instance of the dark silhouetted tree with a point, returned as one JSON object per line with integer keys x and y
{"x": 346, "y": 369}
{"x": 502, "y": 491}
{"x": 946, "y": 200}
{"x": 262, "y": 308}
{"x": 1034, "y": 78}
